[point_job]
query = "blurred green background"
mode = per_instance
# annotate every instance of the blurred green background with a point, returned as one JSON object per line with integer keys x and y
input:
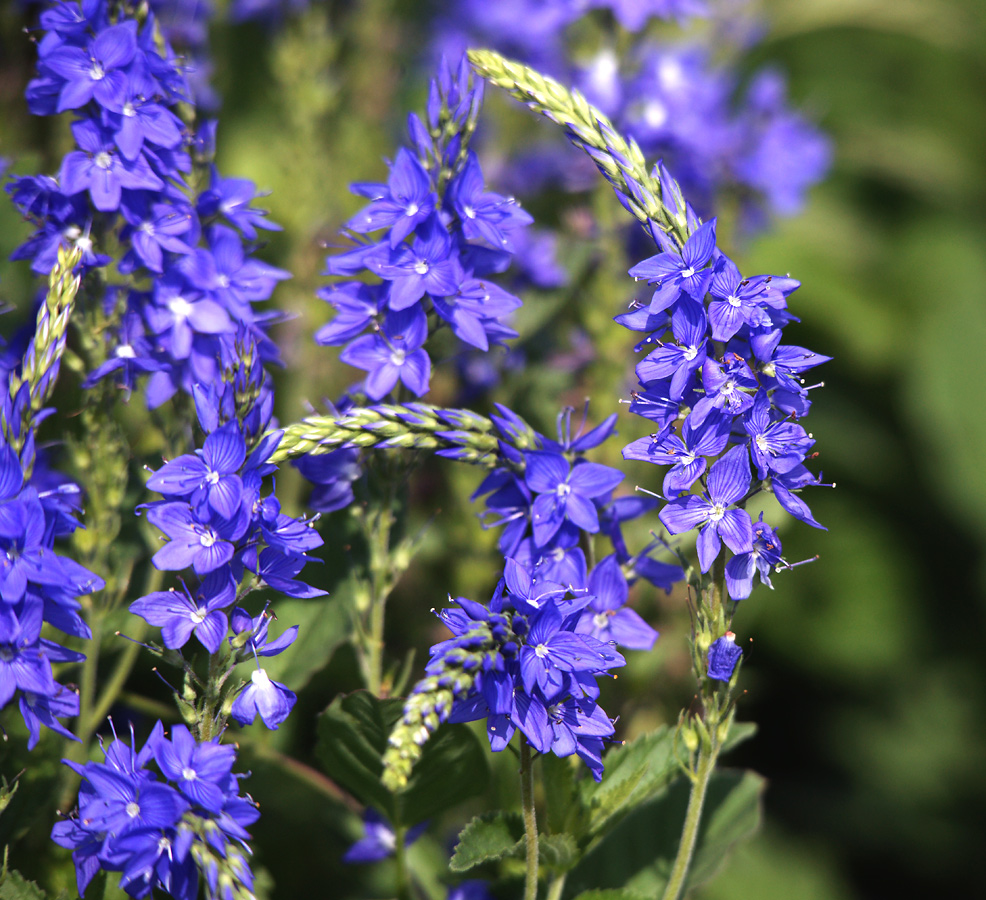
{"x": 866, "y": 671}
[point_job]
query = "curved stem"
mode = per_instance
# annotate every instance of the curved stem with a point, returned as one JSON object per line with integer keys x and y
{"x": 556, "y": 886}
{"x": 689, "y": 833}
{"x": 530, "y": 820}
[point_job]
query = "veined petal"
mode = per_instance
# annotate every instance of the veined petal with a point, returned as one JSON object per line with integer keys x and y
{"x": 685, "y": 513}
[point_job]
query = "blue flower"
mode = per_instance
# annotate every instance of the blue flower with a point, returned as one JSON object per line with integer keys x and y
{"x": 401, "y": 205}
{"x": 161, "y": 834}
{"x": 179, "y": 614}
{"x": 379, "y": 840}
{"x": 565, "y": 492}
{"x": 271, "y": 700}
{"x": 394, "y": 354}
{"x": 723, "y": 656}
{"x": 729, "y": 481}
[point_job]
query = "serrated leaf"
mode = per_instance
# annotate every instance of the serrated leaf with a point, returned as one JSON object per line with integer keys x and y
{"x": 352, "y": 738}
{"x": 487, "y": 838}
{"x": 634, "y": 773}
{"x": 452, "y": 767}
{"x": 638, "y": 853}
{"x": 13, "y": 886}
{"x": 564, "y": 807}
{"x": 558, "y": 851}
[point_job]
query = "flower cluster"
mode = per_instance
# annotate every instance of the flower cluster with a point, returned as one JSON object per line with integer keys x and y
{"x": 163, "y": 833}
{"x": 219, "y": 522}
{"x": 681, "y": 105}
{"x": 677, "y": 99}
{"x": 529, "y": 660}
{"x": 522, "y": 663}
{"x": 37, "y": 506}
{"x": 722, "y": 391}
{"x": 548, "y": 496}
{"x": 38, "y": 586}
{"x": 444, "y": 236}
{"x": 192, "y": 282}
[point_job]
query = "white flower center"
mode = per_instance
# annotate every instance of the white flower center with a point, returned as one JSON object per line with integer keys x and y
{"x": 687, "y": 273}
{"x": 412, "y": 209}
{"x": 563, "y": 490}
{"x": 541, "y": 650}
{"x": 671, "y": 73}
{"x": 189, "y": 774}
{"x": 421, "y": 267}
{"x": 180, "y": 308}
{"x": 125, "y": 351}
{"x": 655, "y": 113}
{"x": 397, "y": 357}
{"x": 600, "y": 620}
{"x": 207, "y": 537}
{"x": 97, "y": 72}
{"x": 718, "y": 511}
{"x": 103, "y": 160}
{"x": 133, "y": 809}
{"x": 733, "y": 300}
{"x": 198, "y": 617}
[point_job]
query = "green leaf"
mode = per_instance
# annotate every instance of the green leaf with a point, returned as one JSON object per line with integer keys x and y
{"x": 610, "y": 894}
{"x": 487, "y": 838}
{"x": 453, "y": 767}
{"x": 634, "y": 773}
{"x": 352, "y": 738}
{"x": 561, "y": 787}
{"x": 13, "y": 886}
{"x": 638, "y": 853}
{"x": 558, "y": 851}
{"x": 738, "y": 733}
{"x": 733, "y": 815}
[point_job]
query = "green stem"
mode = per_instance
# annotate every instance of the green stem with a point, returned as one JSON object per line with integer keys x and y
{"x": 689, "y": 833}
{"x": 557, "y": 886}
{"x": 400, "y": 859}
{"x": 530, "y": 820}
{"x": 210, "y": 703}
{"x": 379, "y": 539}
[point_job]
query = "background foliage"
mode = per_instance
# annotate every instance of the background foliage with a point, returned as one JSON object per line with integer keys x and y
{"x": 865, "y": 675}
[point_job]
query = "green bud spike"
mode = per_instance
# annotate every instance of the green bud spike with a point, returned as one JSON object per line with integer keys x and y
{"x": 620, "y": 160}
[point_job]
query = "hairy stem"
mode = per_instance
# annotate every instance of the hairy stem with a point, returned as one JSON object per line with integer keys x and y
{"x": 530, "y": 820}
{"x": 693, "y": 817}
